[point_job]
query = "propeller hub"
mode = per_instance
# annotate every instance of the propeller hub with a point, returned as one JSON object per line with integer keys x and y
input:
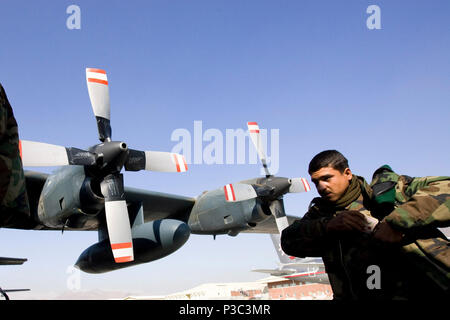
{"x": 273, "y": 187}
{"x": 112, "y": 155}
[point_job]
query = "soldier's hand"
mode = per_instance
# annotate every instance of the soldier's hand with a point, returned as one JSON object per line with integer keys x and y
{"x": 385, "y": 233}
{"x": 346, "y": 221}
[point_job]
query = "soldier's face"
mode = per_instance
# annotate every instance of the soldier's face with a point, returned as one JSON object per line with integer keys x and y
{"x": 331, "y": 184}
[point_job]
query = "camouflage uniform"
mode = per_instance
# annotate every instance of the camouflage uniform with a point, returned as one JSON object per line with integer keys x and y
{"x": 347, "y": 259}
{"x": 417, "y": 207}
{"x": 14, "y": 207}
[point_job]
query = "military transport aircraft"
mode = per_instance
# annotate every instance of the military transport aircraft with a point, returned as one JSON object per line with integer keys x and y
{"x": 10, "y": 261}
{"x": 137, "y": 226}
{"x": 301, "y": 269}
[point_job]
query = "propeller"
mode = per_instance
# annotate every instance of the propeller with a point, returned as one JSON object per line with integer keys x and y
{"x": 97, "y": 83}
{"x": 255, "y": 136}
{"x": 155, "y": 161}
{"x": 270, "y": 189}
{"x": 117, "y": 219}
{"x": 239, "y": 192}
{"x": 104, "y": 161}
{"x": 38, "y": 154}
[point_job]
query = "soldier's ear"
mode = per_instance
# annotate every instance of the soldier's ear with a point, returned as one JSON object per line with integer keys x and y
{"x": 348, "y": 174}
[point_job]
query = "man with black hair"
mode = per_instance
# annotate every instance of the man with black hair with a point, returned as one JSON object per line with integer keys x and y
{"x": 357, "y": 228}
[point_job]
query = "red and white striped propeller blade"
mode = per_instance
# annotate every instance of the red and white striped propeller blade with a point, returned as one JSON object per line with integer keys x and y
{"x": 165, "y": 162}
{"x": 299, "y": 185}
{"x": 119, "y": 230}
{"x": 239, "y": 192}
{"x": 117, "y": 219}
{"x": 255, "y": 136}
{"x": 97, "y": 83}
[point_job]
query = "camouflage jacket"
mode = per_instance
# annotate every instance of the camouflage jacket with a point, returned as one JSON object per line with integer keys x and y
{"x": 14, "y": 207}
{"x": 417, "y": 207}
{"x": 347, "y": 260}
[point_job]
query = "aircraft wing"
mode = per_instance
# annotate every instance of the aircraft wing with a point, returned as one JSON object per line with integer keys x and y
{"x": 276, "y": 272}
{"x": 308, "y": 265}
{"x": 15, "y": 290}
{"x": 156, "y": 205}
{"x": 11, "y": 261}
{"x": 3, "y": 292}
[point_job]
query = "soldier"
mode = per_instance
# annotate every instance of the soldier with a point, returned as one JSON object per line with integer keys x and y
{"x": 14, "y": 207}
{"x": 389, "y": 227}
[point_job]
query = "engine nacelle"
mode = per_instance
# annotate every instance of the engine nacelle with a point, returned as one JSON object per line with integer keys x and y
{"x": 212, "y": 214}
{"x": 69, "y": 198}
{"x": 151, "y": 241}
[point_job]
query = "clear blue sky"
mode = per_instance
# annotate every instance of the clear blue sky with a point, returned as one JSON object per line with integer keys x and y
{"x": 311, "y": 69}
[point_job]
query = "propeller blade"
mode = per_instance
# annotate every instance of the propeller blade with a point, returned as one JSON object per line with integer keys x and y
{"x": 277, "y": 209}
{"x": 255, "y": 136}
{"x": 97, "y": 83}
{"x": 239, "y": 192}
{"x": 299, "y": 185}
{"x": 119, "y": 230}
{"x": 155, "y": 161}
{"x": 39, "y": 154}
{"x": 117, "y": 219}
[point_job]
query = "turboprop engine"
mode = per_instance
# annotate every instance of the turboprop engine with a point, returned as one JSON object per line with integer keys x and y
{"x": 70, "y": 199}
{"x": 241, "y": 206}
{"x": 212, "y": 214}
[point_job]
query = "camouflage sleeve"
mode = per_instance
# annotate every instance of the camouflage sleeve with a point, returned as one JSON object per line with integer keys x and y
{"x": 428, "y": 206}
{"x": 14, "y": 205}
{"x": 305, "y": 237}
